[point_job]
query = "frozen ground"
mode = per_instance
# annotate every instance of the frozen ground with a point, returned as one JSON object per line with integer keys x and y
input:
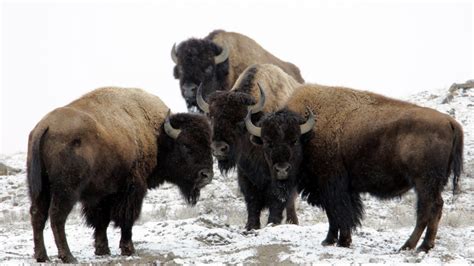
{"x": 169, "y": 232}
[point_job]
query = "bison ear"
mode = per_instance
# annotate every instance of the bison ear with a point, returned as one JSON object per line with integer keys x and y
{"x": 257, "y": 141}
{"x": 176, "y": 72}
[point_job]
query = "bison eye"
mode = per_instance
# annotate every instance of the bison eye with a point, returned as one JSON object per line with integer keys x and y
{"x": 269, "y": 144}
{"x": 186, "y": 149}
{"x": 241, "y": 126}
{"x": 294, "y": 142}
{"x": 208, "y": 70}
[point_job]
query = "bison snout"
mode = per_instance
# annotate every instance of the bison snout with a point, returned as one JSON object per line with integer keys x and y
{"x": 205, "y": 175}
{"x": 220, "y": 149}
{"x": 282, "y": 170}
{"x": 189, "y": 90}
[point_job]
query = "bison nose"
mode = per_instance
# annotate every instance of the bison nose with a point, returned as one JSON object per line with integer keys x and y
{"x": 189, "y": 90}
{"x": 220, "y": 149}
{"x": 206, "y": 176}
{"x": 282, "y": 170}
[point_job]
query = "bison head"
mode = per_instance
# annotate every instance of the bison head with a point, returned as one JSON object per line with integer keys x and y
{"x": 226, "y": 111}
{"x": 184, "y": 151}
{"x": 200, "y": 61}
{"x": 282, "y": 136}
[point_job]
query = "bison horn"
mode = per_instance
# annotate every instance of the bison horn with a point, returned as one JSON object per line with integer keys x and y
{"x": 251, "y": 128}
{"x": 309, "y": 124}
{"x": 169, "y": 130}
{"x": 258, "y": 107}
{"x": 222, "y": 56}
{"x": 200, "y": 100}
{"x": 173, "y": 54}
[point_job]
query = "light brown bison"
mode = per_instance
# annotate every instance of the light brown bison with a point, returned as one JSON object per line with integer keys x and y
{"x": 217, "y": 61}
{"x": 231, "y": 145}
{"x": 363, "y": 143}
{"x": 105, "y": 150}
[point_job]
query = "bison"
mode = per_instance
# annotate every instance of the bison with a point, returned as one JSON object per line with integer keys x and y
{"x": 217, "y": 61}
{"x": 231, "y": 145}
{"x": 362, "y": 143}
{"x": 105, "y": 150}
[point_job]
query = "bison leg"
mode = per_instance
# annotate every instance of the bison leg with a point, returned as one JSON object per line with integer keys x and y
{"x": 254, "y": 209}
{"x": 61, "y": 206}
{"x": 432, "y": 229}
{"x": 99, "y": 218}
{"x": 331, "y": 237}
{"x": 254, "y": 201}
{"x": 345, "y": 238}
{"x": 126, "y": 244}
{"x": 127, "y": 211}
{"x": 291, "y": 217}
{"x": 422, "y": 216}
{"x": 39, "y": 215}
{"x": 276, "y": 208}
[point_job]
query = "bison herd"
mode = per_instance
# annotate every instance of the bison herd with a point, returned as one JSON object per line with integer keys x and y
{"x": 253, "y": 113}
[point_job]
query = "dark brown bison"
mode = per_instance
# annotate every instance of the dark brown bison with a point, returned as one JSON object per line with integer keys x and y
{"x": 217, "y": 61}
{"x": 231, "y": 145}
{"x": 363, "y": 143}
{"x": 105, "y": 150}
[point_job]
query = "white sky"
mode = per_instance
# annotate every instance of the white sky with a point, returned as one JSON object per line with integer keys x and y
{"x": 54, "y": 52}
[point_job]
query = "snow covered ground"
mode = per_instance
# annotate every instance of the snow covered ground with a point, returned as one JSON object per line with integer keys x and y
{"x": 169, "y": 232}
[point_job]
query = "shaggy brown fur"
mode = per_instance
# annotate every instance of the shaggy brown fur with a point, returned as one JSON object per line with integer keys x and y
{"x": 364, "y": 142}
{"x": 105, "y": 150}
{"x": 231, "y": 145}
{"x": 244, "y": 51}
{"x": 196, "y": 63}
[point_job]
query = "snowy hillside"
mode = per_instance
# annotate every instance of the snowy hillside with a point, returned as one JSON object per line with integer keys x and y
{"x": 212, "y": 232}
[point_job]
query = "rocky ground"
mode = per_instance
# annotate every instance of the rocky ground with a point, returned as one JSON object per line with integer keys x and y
{"x": 169, "y": 232}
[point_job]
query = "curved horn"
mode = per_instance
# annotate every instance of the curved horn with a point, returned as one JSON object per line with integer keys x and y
{"x": 258, "y": 107}
{"x": 169, "y": 130}
{"x": 309, "y": 124}
{"x": 173, "y": 54}
{"x": 200, "y": 100}
{"x": 251, "y": 128}
{"x": 222, "y": 56}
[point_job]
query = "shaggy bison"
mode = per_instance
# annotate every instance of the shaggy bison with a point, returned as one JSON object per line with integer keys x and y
{"x": 217, "y": 61}
{"x": 362, "y": 143}
{"x": 105, "y": 150}
{"x": 231, "y": 145}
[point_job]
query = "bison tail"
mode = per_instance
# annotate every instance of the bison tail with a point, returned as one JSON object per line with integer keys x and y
{"x": 35, "y": 169}
{"x": 456, "y": 165}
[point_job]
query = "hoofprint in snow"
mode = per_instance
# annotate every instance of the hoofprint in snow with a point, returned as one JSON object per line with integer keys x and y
{"x": 168, "y": 231}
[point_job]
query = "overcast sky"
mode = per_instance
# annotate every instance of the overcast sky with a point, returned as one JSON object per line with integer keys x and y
{"x": 54, "y": 52}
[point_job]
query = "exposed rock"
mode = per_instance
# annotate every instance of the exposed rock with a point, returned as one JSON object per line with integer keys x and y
{"x": 7, "y": 170}
{"x": 453, "y": 90}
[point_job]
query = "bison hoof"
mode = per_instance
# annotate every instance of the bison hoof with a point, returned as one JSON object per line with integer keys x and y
{"x": 406, "y": 246}
{"x": 250, "y": 227}
{"x": 42, "y": 258}
{"x": 328, "y": 242}
{"x": 424, "y": 248}
{"x": 292, "y": 221}
{"x": 127, "y": 249}
{"x": 344, "y": 243}
{"x": 103, "y": 250}
{"x": 68, "y": 259}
